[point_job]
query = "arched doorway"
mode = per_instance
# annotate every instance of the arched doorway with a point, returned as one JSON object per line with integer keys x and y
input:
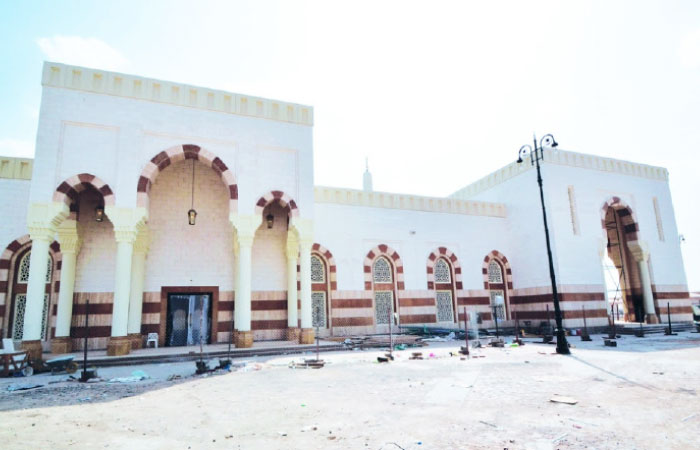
{"x": 622, "y": 274}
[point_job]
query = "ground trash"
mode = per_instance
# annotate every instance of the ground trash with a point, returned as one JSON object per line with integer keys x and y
{"x": 23, "y": 387}
{"x": 563, "y": 399}
{"x": 136, "y": 375}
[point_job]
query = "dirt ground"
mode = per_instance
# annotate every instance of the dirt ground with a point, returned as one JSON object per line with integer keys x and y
{"x": 641, "y": 395}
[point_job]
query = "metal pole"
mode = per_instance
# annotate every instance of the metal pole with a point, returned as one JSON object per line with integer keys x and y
{"x": 517, "y": 329}
{"x": 317, "y": 345}
{"x": 495, "y": 319}
{"x": 230, "y": 338}
{"x": 613, "y": 334}
{"x": 562, "y": 345}
{"x": 466, "y": 333}
{"x": 85, "y": 340}
{"x": 668, "y": 313}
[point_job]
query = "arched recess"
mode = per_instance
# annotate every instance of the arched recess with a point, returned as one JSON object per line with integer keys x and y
{"x": 620, "y": 229}
{"x": 10, "y": 260}
{"x": 67, "y": 192}
{"x": 323, "y": 285}
{"x": 284, "y": 200}
{"x": 498, "y": 280}
{"x": 178, "y": 153}
{"x": 384, "y": 283}
{"x": 445, "y": 277}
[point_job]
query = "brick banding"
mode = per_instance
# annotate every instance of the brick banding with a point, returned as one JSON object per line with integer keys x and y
{"x": 69, "y": 189}
{"x": 506, "y": 272}
{"x": 452, "y": 260}
{"x": 179, "y": 153}
{"x": 280, "y": 197}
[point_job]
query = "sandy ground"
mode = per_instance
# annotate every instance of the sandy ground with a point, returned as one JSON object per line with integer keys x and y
{"x": 643, "y": 394}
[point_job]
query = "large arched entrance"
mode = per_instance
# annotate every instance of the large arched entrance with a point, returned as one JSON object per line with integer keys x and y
{"x": 623, "y": 277}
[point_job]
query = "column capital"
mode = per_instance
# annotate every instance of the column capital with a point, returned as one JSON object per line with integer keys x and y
{"x": 43, "y": 218}
{"x": 304, "y": 228}
{"x": 639, "y": 250}
{"x": 67, "y": 236}
{"x": 143, "y": 240}
{"x": 127, "y": 222}
{"x": 245, "y": 227}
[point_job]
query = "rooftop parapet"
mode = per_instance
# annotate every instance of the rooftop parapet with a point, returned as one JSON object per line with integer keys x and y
{"x": 131, "y": 86}
{"x": 16, "y": 168}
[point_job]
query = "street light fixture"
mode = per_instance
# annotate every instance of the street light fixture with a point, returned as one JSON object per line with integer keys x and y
{"x": 536, "y": 154}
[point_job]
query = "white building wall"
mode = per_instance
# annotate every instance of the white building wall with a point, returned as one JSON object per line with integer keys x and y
{"x": 96, "y": 262}
{"x": 350, "y": 232}
{"x": 14, "y": 196}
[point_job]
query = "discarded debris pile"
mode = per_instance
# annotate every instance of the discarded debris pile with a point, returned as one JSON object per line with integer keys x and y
{"x": 307, "y": 364}
{"x": 363, "y": 342}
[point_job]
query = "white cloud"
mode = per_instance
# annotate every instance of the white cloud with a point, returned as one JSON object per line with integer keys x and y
{"x": 17, "y": 148}
{"x": 76, "y": 50}
{"x": 689, "y": 50}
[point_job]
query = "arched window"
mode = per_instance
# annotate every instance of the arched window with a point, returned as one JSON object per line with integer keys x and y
{"x": 20, "y": 298}
{"x": 442, "y": 272}
{"x": 382, "y": 271}
{"x": 318, "y": 270}
{"x": 496, "y": 290}
{"x": 383, "y": 296}
{"x": 319, "y": 316}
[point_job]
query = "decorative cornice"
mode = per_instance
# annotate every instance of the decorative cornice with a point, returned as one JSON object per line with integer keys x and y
{"x": 563, "y": 158}
{"x": 131, "y": 86}
{"x": 16, "y": 168}
{"x": 408, "y": 202}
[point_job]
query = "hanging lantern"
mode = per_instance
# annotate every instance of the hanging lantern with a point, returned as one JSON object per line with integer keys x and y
{"x": 99, "y": 213}
{"x": 192, "y": 214}
{"x": 270, "y": 221}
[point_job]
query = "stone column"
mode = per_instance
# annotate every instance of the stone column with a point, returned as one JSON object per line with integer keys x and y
{"x": 70, "y": 246}
{"x": 138, "y": 271}
{"x": 293, "y": 332}
{"x": 36, "y": 287}
{"x": 244, "y": 333}
{"x": 640, "y": 252}
{"x": 42, "y": 220}
{"x": 119, "y": 343}
{"x": 307, "y": 332}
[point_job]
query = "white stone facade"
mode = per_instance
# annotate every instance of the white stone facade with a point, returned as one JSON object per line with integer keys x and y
{"x": 130, "y": 145}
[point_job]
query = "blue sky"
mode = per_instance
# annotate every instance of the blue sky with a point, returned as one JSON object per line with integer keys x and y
{"x": 443, "y": 91}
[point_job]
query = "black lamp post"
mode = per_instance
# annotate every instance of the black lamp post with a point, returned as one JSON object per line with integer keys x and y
{"x": 536, "y": 154}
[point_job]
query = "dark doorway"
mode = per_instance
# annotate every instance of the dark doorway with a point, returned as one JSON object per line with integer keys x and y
{"x": 188, "y": 319}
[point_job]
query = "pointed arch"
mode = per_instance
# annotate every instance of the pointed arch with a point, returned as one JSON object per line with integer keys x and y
{"x": 284, "y": 200}
{"x": 179, "y": 153}
{"x": 507, "y": 278}
{"x": 8, "y": 260}
{"x": 69, "y": 189}
{"x": 331, "y": 268}
{"x": 443, "y": 252}
{"x": 394, "y": 259}
{"x": 629, "y": 218}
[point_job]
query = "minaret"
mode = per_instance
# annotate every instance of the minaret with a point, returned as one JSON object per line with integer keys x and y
{"x": 367, "y": 178}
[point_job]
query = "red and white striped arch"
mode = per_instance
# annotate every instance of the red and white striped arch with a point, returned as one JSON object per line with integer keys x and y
{"x": 180, "y": 153}
{"x": 500, "y": 257}
{"x": 283, "y": 199}
{"x": 627, "y": 216}
{"x": 68, "y": 190}
{"x": 394, "y": 258}
{"x": 444, "y": 252}
{"x": 327, "y": 256}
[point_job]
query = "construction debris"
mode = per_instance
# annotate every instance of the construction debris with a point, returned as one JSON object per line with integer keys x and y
{"x": 563, "y": 399}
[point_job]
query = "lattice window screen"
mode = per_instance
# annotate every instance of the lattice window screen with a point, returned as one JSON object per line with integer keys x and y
{"x": 23, "y": 277}
{"x": 318, "y": 272}
{"x": 382, "y": 271}
{"x": 500, "y": 310}
{"x": 444, "y": 306}
{"x": 495, "y": 272}
{"x": 318, "y": 309}
{"x": 442, "y": 272}
{"x": 382, "y": 304}
{"x": 20, "y": 309}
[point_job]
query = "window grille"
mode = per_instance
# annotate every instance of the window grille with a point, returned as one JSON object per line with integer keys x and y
{"x": 20, "y": 309}
{"x": 499, "y": 310}
{"x": 382, "y": 304}
{"x": 318, "y": 309}
{"x": 23, "y": 277}
{"x": 382, "y": 271}
{"x": 495, "y": 272}
{"x": 442, "y": 272}
{"x": 444, "y": 306}
{"x": 318, "y": 272}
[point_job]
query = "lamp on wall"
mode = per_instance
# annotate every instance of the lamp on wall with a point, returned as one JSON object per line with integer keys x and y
{"x": 99, "y": 212}
{"x": 192, "y": 214}
{"x": 270, "y": 221}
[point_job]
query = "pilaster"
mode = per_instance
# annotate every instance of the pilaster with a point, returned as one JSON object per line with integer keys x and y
{"x": 245, "y": 227}
{"x": 67, "y": 235}
{"x": 292, "y": 253}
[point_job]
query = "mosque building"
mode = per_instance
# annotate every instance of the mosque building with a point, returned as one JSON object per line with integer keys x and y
{"x": 192, "y": 213}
